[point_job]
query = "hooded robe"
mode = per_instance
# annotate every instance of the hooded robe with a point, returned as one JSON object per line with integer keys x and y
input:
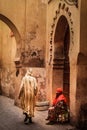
{"x": 27, "y": 93}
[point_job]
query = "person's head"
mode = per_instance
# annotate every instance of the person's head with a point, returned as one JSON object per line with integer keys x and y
{"x": 29, "y": 71}
{"x": 59, "y": 91}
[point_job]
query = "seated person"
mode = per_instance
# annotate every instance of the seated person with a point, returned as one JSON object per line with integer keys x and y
{"x": 59, "y": 111}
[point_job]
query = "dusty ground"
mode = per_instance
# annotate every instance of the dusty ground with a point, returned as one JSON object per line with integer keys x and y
{"x": 11, "y": 118}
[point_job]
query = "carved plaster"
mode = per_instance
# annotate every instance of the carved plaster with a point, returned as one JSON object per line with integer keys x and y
{"x": 61, "y": 7}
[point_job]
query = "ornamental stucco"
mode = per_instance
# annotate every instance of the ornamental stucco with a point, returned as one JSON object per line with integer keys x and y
{"x": 64, "y": 10}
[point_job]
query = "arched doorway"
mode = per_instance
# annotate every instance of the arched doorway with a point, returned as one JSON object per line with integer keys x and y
{"x": 7, "y": 55}
{"x": 61, "y": 68}
{"x": 15, "y": 31}
{"x": 10, "y": 45}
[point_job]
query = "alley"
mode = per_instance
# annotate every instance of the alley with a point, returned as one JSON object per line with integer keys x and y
{"x": 11, "y": 118}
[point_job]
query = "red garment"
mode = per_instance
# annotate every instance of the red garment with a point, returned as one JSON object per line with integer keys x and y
{"x": 56, "y": 100}
{"x": 59, "y": 90}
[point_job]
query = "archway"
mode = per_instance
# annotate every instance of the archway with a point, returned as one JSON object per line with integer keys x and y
{"x": 16, "y": 33}
{"x": 10, "y": 45}
{"x": 61, "y": 69}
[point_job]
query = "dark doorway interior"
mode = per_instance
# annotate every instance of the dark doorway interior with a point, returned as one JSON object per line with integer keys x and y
{"x": 66, "y": 74}
{"x": 61, "y": 67}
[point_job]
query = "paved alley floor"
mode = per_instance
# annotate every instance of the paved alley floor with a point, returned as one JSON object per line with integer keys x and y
{"x": 11, "y": 118}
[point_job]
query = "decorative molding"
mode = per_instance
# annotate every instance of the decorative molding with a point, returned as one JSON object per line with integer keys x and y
{"x": 65, "y": 8}
{"x": 69, "y": 2}
{"x": 72, "y": 2}
{"x": 58, "y": 63}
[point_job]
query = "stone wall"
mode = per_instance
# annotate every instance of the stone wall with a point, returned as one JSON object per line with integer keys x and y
{"x": 81, "y": 96}
{"x": 33, "y": 24}
{"x": 7, "y": 56}
{"x": 56, "y": 9}
{"x": 23, "y": 40}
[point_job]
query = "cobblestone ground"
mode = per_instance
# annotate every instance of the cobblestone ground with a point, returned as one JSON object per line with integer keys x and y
{"x": 11, "y": 118}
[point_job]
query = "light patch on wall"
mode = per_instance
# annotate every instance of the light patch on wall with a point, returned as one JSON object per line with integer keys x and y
{"x": 44, "y": 1}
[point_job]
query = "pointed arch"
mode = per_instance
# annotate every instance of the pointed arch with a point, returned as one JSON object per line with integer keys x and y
{"x": 61, "y": 65}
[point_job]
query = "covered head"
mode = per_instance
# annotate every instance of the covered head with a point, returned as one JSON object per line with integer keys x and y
{"x": 59, "y": 90}
{"x": 29, "y": 71}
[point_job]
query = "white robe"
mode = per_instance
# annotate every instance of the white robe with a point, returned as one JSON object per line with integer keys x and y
{"x": 27, "y": 93}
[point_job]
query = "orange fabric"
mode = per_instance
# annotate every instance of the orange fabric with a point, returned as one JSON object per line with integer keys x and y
{"x": 59, "y": 90}
{"x": 60, "y": 98}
